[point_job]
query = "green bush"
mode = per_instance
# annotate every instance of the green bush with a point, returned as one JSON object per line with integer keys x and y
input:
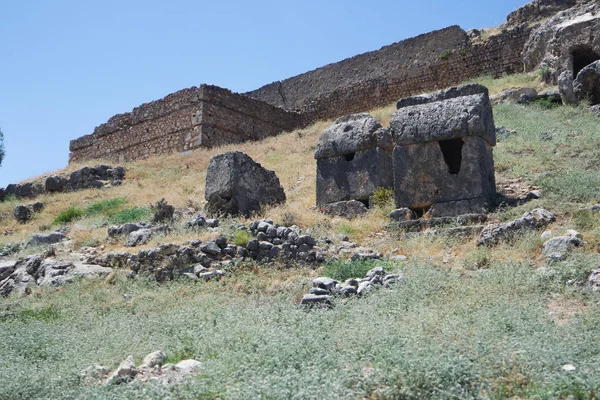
{"x": 69, "y": 215}
{"x": 134, "y": 214}
{"x": 241, "y": 238}
{"x": 342, "y": 270}
{"x": 445, "y": 54}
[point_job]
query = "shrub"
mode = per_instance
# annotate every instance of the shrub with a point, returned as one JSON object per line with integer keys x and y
{"x": 445, "y": 54}
{"x": 241, "y": 238}
{"x": 342, "y": 270}
{"x": 382, "y": 197}
{"x": 69, "y": 215}
{"x": 134, "y": 214}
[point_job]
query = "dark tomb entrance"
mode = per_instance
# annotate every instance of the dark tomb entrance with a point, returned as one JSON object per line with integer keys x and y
{"x": 452, "y": 151}
{"x": 582, "y": 57}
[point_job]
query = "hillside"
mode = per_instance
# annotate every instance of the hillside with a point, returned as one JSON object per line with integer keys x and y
{"x": 468, "y": 322}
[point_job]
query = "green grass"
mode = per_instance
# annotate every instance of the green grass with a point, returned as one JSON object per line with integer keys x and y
{"x": 557, "y": 149}
{"x": 69, "y": 215}
{"x": 104, "y": 208}
{"x": 241, "y": 238}
{"x": 133, "y": 214}
{"x": 341, "y": 270}
{"x": 440, "y": 335}
{"x": 107, "y": 207}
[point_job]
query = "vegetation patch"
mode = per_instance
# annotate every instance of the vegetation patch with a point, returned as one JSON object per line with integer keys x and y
{"x": 342, "y": 270}
{"x": 133, "y": 214}
{"x": 69, "y": 215}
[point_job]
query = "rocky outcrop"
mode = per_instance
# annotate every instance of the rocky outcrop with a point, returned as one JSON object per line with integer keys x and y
{"x": 567, "y": 41}
{"x": 85, "y": 178}
{"x": 237, "y": 185}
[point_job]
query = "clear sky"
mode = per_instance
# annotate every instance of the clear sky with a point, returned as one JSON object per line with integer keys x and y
{"x": 69, "y": 65}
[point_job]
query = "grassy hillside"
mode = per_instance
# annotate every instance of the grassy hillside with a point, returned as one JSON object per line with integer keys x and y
{"x": 468, "y": 323}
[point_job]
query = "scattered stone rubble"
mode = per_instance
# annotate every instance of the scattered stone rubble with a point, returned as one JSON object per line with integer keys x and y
{"x": 493, "y": 234}
{"x": 20, "y": 276}
{"x": 153, "y": 369}
{"x": 325, "y": 289}
{"x": 85, "y": 178}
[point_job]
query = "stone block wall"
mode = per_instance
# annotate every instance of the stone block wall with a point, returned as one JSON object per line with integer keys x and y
{"x": 427, "y": 62}
{"x": 191, "y": 118}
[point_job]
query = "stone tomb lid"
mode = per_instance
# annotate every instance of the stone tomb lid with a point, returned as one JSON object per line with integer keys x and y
{"x": 440, "y": 116}
{"x": 352, "y": 133}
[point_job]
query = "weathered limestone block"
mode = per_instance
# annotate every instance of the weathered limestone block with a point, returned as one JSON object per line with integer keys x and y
{"x": 353, "y": 160}
{"x": 236, "y": 184}
{"x": 443, "y": 159}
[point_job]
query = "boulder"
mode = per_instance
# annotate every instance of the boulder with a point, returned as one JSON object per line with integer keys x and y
{"x": 138, "y": 237}
{"x": 514, "y": 96}
{"x": 155, "y": 358}
{"x": 125, "y": 373}
{"x": 558, "y": 248}
{"x": 565, "y": 87}
{"x": 40, "y": 239}
{"x": 347, "y": 209}
{"x": 237, "y": 185}
{"x": 55, "y": 184}
{"x": 353, "y": 160}
{"x": 315, "y": 300}
{"x": 586, "y": 86}
{"x": 22, "y": 214}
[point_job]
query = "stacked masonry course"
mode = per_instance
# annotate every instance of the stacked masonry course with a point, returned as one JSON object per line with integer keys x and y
{"x": 209, "y": 116}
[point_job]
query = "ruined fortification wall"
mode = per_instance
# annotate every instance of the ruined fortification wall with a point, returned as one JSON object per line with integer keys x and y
{"x": 428, "y": 62}
{"x": 210, "y": 116}
{"x": 196, "y": 117}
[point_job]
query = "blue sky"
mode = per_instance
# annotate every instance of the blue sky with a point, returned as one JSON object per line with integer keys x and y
{"x": 69, "y": 65}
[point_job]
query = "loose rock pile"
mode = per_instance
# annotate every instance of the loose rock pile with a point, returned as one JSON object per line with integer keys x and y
{"x": 153, "y": 369}
{"x": 84, "y": 178}
{"x": 280, "y": 242}
{"x": 137, "y": 234}
{"x": 496, "y": 233}
{"x": 20, "y": 276}
{"x": 325, "y": 289}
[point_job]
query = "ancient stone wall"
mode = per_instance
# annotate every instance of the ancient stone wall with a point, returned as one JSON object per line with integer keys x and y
{"x": 210, "y": 116}
{"x": 428, "y": 62}
{"x": 196, "y": 117}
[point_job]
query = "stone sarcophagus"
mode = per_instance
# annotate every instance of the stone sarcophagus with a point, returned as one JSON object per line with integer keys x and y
{"x": 354, "y": 159}
{"x": 442, "y": 158}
